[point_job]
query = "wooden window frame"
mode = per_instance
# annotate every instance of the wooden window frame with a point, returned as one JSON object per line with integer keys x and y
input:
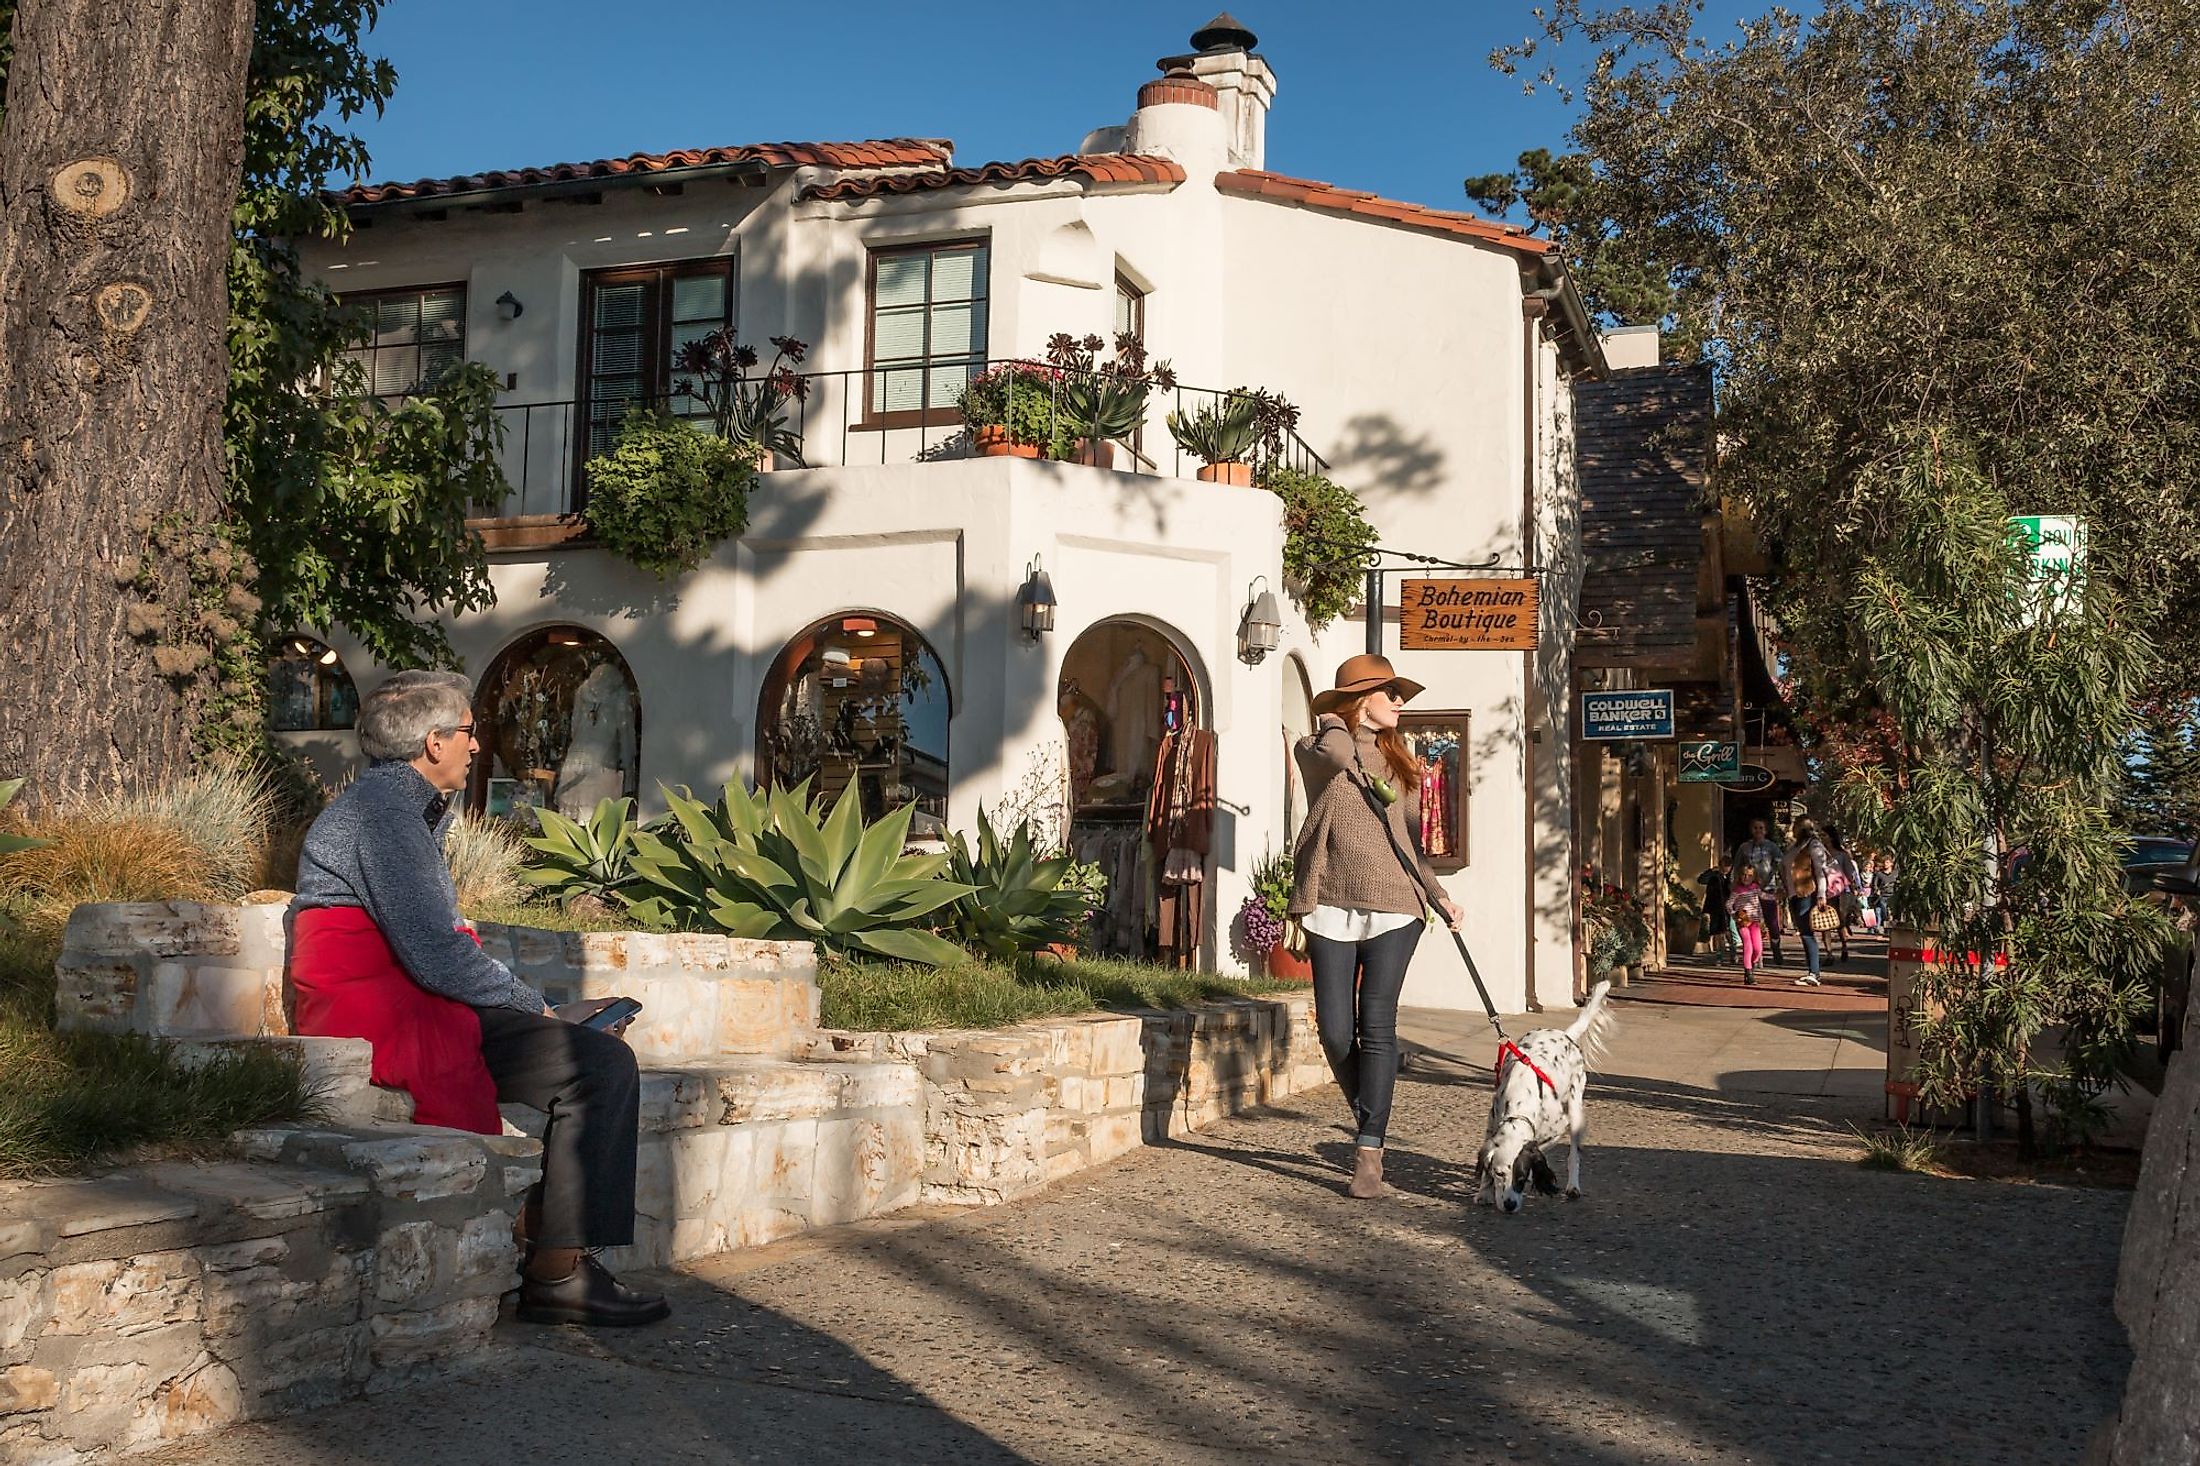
{"x": 1461, "y": 856}
{"x": 656, "y": 335}
{"x": 350, "y": 299}
{"x": 1126, "y": 286}
{"x": 938, "y": 415}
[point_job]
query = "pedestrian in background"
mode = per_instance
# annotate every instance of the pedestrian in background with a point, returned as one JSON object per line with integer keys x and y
{"x": 1762, "y": 854}
{"x": 1844, "y": 886}
{"x": 1803, "y": 881}
{"x": 1746, "y": 908}
{"x": 1718, "y": 922}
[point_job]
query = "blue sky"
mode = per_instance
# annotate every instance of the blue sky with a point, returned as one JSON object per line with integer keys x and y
{"x": 1394, "y": 98}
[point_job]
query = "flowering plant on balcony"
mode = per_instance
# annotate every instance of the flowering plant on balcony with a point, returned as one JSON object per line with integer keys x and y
{"x": 749, "y": 410}
{"x": 1105, "y": 400}
{"x": 1014, "y": 404}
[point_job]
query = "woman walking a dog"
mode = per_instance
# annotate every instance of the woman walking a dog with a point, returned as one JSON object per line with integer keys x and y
{"x": 1359, "y": 887}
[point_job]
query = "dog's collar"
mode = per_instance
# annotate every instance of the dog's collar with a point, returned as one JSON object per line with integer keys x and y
{"x": 1509, "y": 1051}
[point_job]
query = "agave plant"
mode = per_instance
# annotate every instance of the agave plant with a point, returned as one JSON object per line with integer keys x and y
{"x": 9, "y": 844}
{"x": 1018, "y": 903}
{"x": 762, "y": 864}
{"x": 1222, "y": 431}
{"x": 1105, "y": 401}
{"x": 577, "y": 858}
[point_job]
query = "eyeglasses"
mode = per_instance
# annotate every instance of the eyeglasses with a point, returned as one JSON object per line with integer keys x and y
{"x": 463, "y": 730}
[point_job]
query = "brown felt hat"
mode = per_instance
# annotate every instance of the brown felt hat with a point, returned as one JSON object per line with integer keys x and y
{"x": 1360, "y": 676}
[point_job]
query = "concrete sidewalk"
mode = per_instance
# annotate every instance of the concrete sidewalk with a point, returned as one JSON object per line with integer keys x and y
{"x": 1726, "y": 1051}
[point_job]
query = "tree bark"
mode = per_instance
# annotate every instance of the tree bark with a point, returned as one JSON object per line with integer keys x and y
{"x": 120, "y": 153}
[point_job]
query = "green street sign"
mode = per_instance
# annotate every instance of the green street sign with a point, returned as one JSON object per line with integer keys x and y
{"x": 2055, "y": 544}
{"x": 1709, "y": 763}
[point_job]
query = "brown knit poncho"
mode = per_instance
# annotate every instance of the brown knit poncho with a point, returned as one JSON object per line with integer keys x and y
{"x": 1342, "y": 857}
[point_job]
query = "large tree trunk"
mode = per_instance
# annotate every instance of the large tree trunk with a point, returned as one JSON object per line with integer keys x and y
{"x": 120, "y": 151}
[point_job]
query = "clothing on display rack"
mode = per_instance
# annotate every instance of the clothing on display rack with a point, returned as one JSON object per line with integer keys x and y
{"x": 1120, "y": 850}
{"x": 1134, "y": 714}
{"x": 1439, "y": 752}
{"x": 1081, "y": 728}
{"x": 1180, "y": 820}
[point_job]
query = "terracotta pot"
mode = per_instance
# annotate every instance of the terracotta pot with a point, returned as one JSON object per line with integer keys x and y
{"x": 1239, "y": 474}
{"x": 993, "y": 443}
{"x": 1096, "y": 452}
{"x": 1062, "y": 951}
{"x": 1286, "y": 966}
{"x": 766, "y": 460}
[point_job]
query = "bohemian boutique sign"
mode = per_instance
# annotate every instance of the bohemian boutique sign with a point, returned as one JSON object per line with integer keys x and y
{"x": 1646, "y": 712}
{"x": 1468, "y": 616}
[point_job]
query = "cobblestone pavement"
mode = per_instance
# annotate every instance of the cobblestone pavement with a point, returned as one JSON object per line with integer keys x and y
{"x": 1733, "y": 1289}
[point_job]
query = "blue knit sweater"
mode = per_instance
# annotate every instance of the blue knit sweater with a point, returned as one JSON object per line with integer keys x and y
{"x": 379, "y": 846}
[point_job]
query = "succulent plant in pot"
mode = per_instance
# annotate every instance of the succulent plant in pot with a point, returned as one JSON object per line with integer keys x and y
{"x": 1013, "y": 410}
{"x": 1227, "y": 432}
{"x": 749, "y": 410}
{"x": 1104, "y": 402}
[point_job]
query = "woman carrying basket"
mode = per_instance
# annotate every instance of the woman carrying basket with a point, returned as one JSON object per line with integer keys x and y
{"x": 1360, "y": 885}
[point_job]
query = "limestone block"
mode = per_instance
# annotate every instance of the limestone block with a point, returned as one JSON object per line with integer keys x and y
{"x": 694, "y": 1237}
{"x": 700, "y": 952}
{"x": 783, "y": 1165}
{"x": 1127, "y": 1092}
{"x": 159, "y": 929}
{"x": 204, "y": 1397}
{"x": 124, "y": 1297}
{"x": 24, "y": 1310}
{"x": 196, "y": 998}
{"x": 299, "y": 1370}
{"x": 653, "y": 1178}
{"x": 424, "y": 1166}
{"x": 883, "y": 1086}
{"x": 94, "y": 995}
{"x": 487, "y": 1254}
{"x": 1108, "y": 1136}
{"x": 263, "y": 1193}
{"x": 758, "y": 1014}
{"x": 679, "y": 1099}
{"x": 850, "y": 1170}
{"x": 758, "y": 1223}
{"x": 652, "y": 1247}
{"x": 24, "y": 1443}
{"x": 679, "y": 1017}
{"x": 398, "y": 1340}
{"x": 264, "y": 1291}
{"x": 414, "y": 1261}
{"x": 1077, "y": 1095}
{"x": 24, "y": 1388}
{"x": 701, "y": 1161}
{"x": 1117, "y": 1047}
{"x": 768, "y": 1090}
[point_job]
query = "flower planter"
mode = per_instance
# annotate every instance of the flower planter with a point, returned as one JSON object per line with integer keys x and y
{"x": 1237, "y": 474}
{"x": 1062, "y": 951}
{"x": 1094, "y": 452}
{"x": 993, "y": 442}
{"x": 1285, "y": 965}
{"x": 766, "y": 460}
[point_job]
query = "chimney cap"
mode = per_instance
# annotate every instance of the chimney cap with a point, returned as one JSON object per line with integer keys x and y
{"x": 1224, "y": 33}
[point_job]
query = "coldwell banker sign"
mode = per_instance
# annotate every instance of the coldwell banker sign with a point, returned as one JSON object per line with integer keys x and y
{"x": 1467, "y": 615}
{"x": 1646, "y": 712}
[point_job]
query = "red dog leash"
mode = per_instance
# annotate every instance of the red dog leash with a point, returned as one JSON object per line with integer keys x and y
{"x": 1510, "y": 1050}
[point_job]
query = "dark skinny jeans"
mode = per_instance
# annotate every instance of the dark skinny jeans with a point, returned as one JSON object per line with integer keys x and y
{"x": 1799, "y": 907}
{"x": 1356, "y": 987}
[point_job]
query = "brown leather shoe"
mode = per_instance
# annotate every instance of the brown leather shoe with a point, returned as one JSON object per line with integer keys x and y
{"x": 589, "y": 1296}
{"x": 1367, "y": 1174}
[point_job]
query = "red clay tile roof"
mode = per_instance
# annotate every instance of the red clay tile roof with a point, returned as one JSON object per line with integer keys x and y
{"x": 900, "y": 152}
{"x": 1329, "y": 199}
{"x": 1089, "y": 168}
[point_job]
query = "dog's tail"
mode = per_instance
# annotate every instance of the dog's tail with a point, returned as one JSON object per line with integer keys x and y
{"x": 1593, "y": 1025}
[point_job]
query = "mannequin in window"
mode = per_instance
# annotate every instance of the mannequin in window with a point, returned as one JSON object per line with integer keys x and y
{"x": 1134, "y": 713}
{"x": 601, "y": 751}
{"x": 1081, "y": 729}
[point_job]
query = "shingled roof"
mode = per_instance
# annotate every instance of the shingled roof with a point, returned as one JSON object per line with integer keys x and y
{"x": 1086, "y": 168}
{"x": 900, "y": 152}
{"x": 1643, "y": 444}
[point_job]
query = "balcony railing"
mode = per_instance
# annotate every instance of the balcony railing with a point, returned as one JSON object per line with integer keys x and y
{"x": 546, "y": 443}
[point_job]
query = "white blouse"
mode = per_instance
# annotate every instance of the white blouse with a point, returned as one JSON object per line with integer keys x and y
{"x": 1352, "y": 923}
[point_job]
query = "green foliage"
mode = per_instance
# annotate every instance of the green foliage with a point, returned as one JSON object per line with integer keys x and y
{"x": 1020, "y": 397}
{"x": 1619, "y": 935}
{"x": 1103, "y": 400}
{"x": 1017, "y": 902}
{"x": 668, "y": 493}
{"x": 1326, "y": 541}
{"x": 1898, "y": 1148}
{"x": 1565, "y": 195}
{"x": 352, "y": 508}
{"x": 975, "y": 993}
{"x": 2161, "y": 786}
{"x": 575, "y": 858}
{"x": 1272, "y": 876}
{"x": 748, "y": 410}
{"x": 1224, "y": 429}
{"x": 9, "y": 844}
{"x": 762, "y": 864}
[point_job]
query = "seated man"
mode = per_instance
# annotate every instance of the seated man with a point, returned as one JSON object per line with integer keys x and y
{"x": 378, "y": 951}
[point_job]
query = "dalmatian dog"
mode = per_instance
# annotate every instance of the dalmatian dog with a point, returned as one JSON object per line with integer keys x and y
{"x": 1541, "y": 1080}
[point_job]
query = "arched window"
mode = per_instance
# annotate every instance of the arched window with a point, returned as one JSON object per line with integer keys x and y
{"x": 308, "y": 689}
{"x": 862, "y": 699}
{"x": 560, "y": 723}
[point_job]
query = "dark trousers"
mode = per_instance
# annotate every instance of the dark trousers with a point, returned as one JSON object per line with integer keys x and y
{"x": 1799, "y": 907}
{"x": 1356, "y": 986}
{"x": 588, "y": 1084}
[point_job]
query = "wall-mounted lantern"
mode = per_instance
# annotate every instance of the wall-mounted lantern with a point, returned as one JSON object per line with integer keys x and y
{"x": 508, "y": 307}
{"x": 1260, "y": 629}
{"x": 1035, "y": 601}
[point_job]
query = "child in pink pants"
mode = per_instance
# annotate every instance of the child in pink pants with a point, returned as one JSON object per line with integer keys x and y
{"x": 1747, "y": 907}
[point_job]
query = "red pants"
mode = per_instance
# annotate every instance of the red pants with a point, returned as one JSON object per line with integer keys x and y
{"x": 346, "y": 983}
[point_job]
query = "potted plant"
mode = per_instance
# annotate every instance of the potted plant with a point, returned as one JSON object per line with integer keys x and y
{"x": 1269, "y": 927}
{"x": 1101, "y": 403}
{"x": 749, "y": 411}
{"x": 1010, "y": 410}
{"x": 1220, "y": 433}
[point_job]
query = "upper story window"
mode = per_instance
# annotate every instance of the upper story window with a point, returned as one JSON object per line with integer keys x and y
{"x": 1130, "y": 308}
{"x": 633, "y": 324}
{"x": 927, "y": 331}
{"x": 413, "y": 335}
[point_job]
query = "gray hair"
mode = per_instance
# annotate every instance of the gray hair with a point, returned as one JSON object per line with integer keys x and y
{"x": 396, "y": 718}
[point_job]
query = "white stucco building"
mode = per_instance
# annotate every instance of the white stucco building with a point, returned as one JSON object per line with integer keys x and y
{"x": 1428, "y": 352}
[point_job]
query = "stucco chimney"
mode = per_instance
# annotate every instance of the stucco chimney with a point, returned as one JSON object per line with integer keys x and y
{"x": 1223, "y": 57}
{"x": 1179, "y": 117}
{"x": 1631, "y": 346}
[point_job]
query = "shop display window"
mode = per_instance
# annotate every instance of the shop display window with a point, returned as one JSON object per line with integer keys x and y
{"x": 1439, "y": 740}
{"x": 860, "y": 699}
{"x": 560, "y": 725}
{"x": 308, "y": 689}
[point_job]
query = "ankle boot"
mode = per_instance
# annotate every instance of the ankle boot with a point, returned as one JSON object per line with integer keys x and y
{"x": 1367, "y": 1174}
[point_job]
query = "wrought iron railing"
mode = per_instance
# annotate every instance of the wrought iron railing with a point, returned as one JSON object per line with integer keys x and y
{"x": 842, "y": 420}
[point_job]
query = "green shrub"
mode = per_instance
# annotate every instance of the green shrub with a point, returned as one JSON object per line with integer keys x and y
{"x": 1017, "y": 903}
{"x": 762, "y": 864}
{"x": 9, "y": 844}
{"x": 1224, "y": 430}
{"x": 1021, "y": 397}
{"x": 1326, "y": 540}
{"x": 668, "y": 493}
{"x": 575, "y": 858}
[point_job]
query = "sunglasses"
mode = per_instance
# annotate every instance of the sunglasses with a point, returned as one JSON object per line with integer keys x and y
{"x": 1392, "y": 691}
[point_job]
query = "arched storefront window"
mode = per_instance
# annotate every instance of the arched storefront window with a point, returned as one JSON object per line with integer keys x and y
{"x": 308, "y": 690}
{"x": 862, "y": 699}
{"x": 560, "y": 723}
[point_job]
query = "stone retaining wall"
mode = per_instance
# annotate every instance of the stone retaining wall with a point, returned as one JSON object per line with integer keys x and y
{"x": 176, "y": 1298}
